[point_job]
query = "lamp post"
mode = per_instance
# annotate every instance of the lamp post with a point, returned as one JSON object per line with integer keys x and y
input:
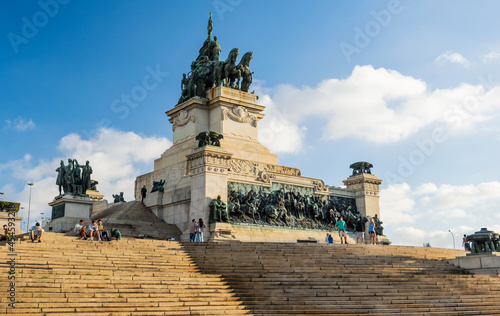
{"x": 29, "y": 207}
{"x": 453, "y": 236}
{"x": 2, "y": 194}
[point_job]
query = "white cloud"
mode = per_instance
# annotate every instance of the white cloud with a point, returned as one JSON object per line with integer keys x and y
{"x": 491, "y": 56}
{"x": 452, "y": 57}
{"x": 116, "y": 158}
{"x": 397, "y": 205}
{"x": 425, "y": 214}
{"x": 20, "y": 124}
{"x": 374, "y": 105}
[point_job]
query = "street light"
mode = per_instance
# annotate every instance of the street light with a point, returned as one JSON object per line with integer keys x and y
{"x": 29, "y": 207}
{"x": 2, "y": 193}
{"x": 453, "y": 238}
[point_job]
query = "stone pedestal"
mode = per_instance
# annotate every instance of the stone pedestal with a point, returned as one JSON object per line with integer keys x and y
{"x": 479, "y": 264}
{"x": 208, "y": 168}
{"x": 249, "y": 233}
{"x": 5, "y": 218}
{"x": 366, "y": 188}
{"x": 67, "y": 211}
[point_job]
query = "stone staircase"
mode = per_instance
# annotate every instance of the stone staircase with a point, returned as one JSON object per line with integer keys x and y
{"x": 320, "y": 279}
{"x": 63, "y": 275}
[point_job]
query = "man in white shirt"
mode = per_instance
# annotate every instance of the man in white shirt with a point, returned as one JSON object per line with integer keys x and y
{"x": 36, "y": 233}
{"x": 93, "y": 230}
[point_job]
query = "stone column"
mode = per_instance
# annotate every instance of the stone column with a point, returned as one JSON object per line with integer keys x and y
{"x": 208, "y": 167}
{"x": 366, "y": 188}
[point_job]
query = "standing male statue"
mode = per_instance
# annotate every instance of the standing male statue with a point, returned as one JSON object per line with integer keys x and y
{"x": 86, "y": 172}
{"x": 69, "y": 177}
{"x": 60, "y": 181}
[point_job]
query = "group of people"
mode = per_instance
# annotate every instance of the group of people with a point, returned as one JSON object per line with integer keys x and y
{"x": 360, "y": 231}
{"x": 96, "y": 231}
{"x": 196, "y": 230}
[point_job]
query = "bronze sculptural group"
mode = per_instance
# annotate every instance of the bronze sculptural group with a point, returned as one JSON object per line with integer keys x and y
{"x": 74, "y": 178}
{"x": 158, "y": 186}
{"x": 285, "y": 209}
{"x": 484, "y": 241}
{"x": 207, "y": 71}
{"x": 209, "y": 138}
{"x": 361, "y": 167}
{"x": 118, "y": 198}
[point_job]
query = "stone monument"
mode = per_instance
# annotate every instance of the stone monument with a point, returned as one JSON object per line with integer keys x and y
{"x": 217, "y": 170}
{"x": 484, "y": 256}
{"x": 77, "y": 194}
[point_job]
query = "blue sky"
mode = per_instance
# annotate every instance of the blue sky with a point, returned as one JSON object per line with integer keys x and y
{"x": 411, "y": 86}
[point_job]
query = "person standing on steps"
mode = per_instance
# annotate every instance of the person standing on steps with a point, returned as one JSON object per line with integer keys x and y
{"x": 340, "y": 225}
{"x": 465, "y": 243}
{"x": 360, "y": 230}
{"x": 143, "y": 192}
{"x": 371, "y": 231}
{"x": 199, "y": 232}
{"x": 193, "y": 227}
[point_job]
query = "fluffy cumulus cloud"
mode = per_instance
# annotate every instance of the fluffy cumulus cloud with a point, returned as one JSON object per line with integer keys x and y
{"x": 375, "y": 105}
{"x": 452, "y": 57}
{"x": 435, "y": 214}
{"x": 116, "y": 157}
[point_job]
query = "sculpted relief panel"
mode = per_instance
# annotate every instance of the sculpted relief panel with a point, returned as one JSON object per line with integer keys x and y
{"x": 239, "y": 114}
{"x": 285, "y": 205}
{"x": 183, "y": 118}
{"x": 260, "y": 170}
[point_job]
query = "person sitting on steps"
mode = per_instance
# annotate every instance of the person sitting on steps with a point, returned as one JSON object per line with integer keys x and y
{"x": 102, "y": 232}
{"x": 36, "y": 233}
{"x": 6, "y": 234}
{"x": 80, "y": 230}
{"x": 115, "y": 233}
{"x": 93, "y": 230}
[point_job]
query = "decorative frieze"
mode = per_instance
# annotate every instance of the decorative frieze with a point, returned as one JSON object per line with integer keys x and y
{"x": 255, "y": 169}
{"x": 208, "y": 160}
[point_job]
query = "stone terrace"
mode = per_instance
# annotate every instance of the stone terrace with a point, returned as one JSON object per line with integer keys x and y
{"x": 65, "y": 276}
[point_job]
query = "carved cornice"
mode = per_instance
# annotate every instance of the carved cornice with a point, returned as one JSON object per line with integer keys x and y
{"x": 208, "y": 160}
{"x": 184, "y": 117}
{"x": 320, "y": 186}
{"x": 239, "y": 114}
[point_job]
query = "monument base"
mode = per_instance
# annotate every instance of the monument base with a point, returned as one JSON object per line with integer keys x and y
{"x": 252, "y": 233}
{"x": 67, "y": 210}
{"x": 479, "y": 264}
{"x": 5, "y": 218}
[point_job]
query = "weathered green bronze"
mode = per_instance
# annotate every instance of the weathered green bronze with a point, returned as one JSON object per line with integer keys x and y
{"x": 74, "y": 178}
{"x": 484, "y": 241}
{"x": 93, "y": 185}
{"x": 218, "y": 210}
{"x": 286, "y": 206}
{"x": 379, "y": 229}
{"x": 361, "y": 167}
{"x": 209, "y": 138}
{"x": 208, "y": 72}
{"x": 158, "y": 186}
{"x": 118, "y": 198}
